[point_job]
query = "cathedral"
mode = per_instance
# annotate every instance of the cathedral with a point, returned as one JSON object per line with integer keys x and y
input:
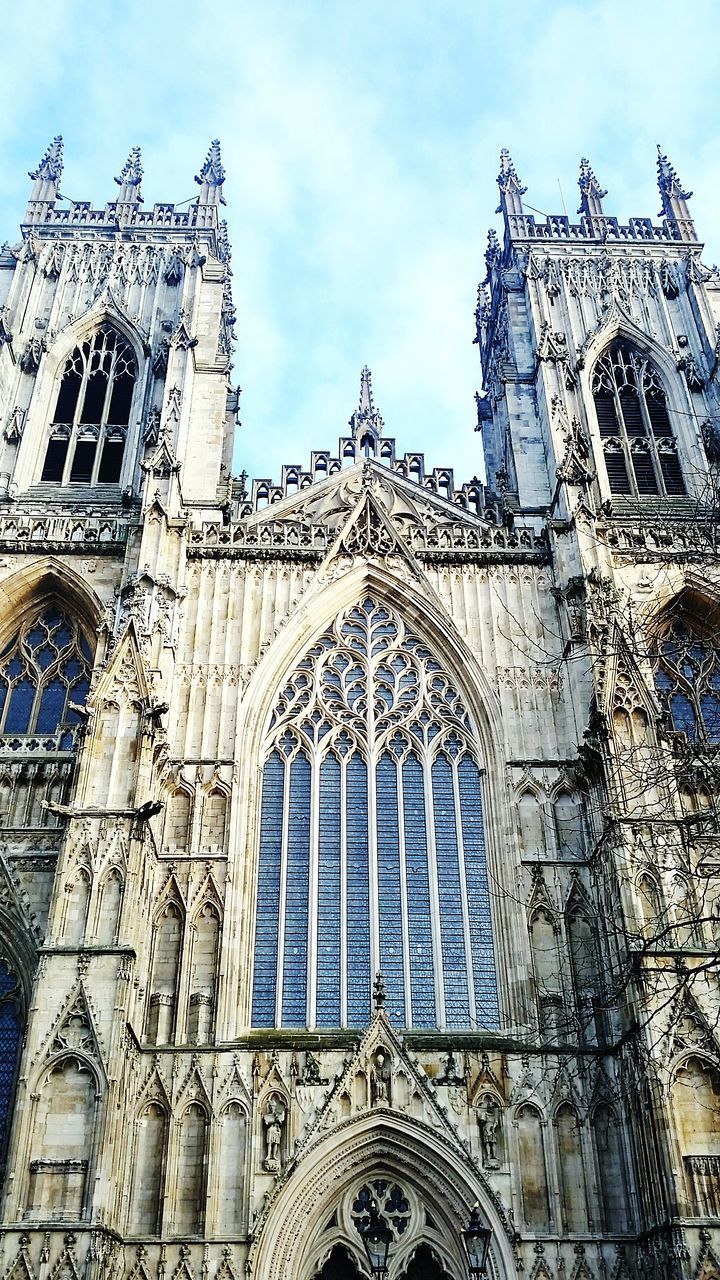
{"x": 359, "y": 874}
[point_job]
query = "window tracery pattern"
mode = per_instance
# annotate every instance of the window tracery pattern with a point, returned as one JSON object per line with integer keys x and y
{"x": 44, "y": 668}
{"x": 11, "y": 1019}
{"x": 372, "y": 843}
{"x": 92, "y": 413}
{"x": 637, "y": 439}
{"x": 687, "y": 678}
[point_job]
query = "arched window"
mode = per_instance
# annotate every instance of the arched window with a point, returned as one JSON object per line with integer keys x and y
{"x": 43, "y": 670}
{"x": 90, "y": 423}
{"x": 687, "y": 678}
{"x": 11, "y": 1022}
{"x": 371, "y": 842}
{"x": 637, "y": 439}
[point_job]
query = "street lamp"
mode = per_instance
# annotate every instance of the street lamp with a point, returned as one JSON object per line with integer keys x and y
{"x": 476, "y": 1240}
{"x": 377, "y": 1238}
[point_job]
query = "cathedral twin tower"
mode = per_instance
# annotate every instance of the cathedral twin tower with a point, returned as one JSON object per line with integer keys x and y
{"x": 359, "y": 853}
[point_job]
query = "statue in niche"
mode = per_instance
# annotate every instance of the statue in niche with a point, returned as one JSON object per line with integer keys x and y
{"x": 488, "y": 1120}
{"x": 273, "y": 1120}
{"x": 380, "y": 1079}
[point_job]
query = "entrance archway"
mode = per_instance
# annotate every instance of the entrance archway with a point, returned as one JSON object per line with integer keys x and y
{"x": 425, "y": 1187}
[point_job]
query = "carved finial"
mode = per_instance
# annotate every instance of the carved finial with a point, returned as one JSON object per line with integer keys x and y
{"x": 674, "y": 199}
{"x": 47, "y": 176}
{"x": 366, "y": 398}
{"x": 493, "y": 251}
{"x": 211, "y": 176}
{"x": 131, "y": 176}
{"x": 511, "y": 188}
{"x": 50, "y": 168}
{"x": 379, "y": 990}
{"x": 366, "y": 422}
{"x": 591, "y": 193}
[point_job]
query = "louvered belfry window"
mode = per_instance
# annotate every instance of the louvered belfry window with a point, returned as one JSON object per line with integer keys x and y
{"x": 92, "y": 413}
{"x": 372, "y": 848}
{"x": 638, "y": 444}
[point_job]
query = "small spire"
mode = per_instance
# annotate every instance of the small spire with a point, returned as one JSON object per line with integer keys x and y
{"x": 211, "y": 176}
{"x": 131, "y": 176}
{"x": 591, "y": 193}
{"x": 366, "y": 398}
{"x": 366, "y": 420}
{"x": 511, "y": 188}
{"x": 50, "y": 168}
{"x": 46, "y": 178}
{"x": 674, "y": 199}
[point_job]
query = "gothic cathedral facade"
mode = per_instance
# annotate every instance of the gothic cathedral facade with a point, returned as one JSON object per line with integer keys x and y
{"x": 358, "y": 829}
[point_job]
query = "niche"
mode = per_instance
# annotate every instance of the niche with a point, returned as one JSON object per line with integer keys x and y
{"x": 177, "y": 820}
{"x": 572, "y": 1172}
{"x": 232, "y": 1165}
{"x": 78, "y": 901}
{"x": 63, "y": 1136}
{"x": 150, "y": 1159}
{"x": 531, "y": 1152}
{"x": 204, "y": 970}
{"x": 214, "y": 814}
{"x": 163, "y": 987}
{"x": 110, "y": 902}
{"x": 190, "y": 1183}
{"x": 532, "y": 826}
{"x": 611, "y": 1168}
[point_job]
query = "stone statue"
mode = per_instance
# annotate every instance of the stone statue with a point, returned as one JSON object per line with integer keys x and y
{"x": 489, "y": 1119}
{"x": 380, "y": 1079}
{"x": 273, "y": 1120}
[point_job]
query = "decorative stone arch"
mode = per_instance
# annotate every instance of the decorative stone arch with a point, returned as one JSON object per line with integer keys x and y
{"x": 103, "y": 312}
{"x": 291, "y": 1240}
{"x": 48, "y": 580}
{"x": 618, "y": 325}
{"x": 426, "y": 617}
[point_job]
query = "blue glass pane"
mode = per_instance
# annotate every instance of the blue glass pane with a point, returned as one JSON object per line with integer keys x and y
{"x": 20, "y": 707}
{"x": 328, "y": 936}
{"x": 9, "y": 1044}
{"x": 294, "y": 994}
{"x": 683, "y": 715}
{"x": 45, "y": 657}
{"x": 422, "y": 976}
{"x": 267, "y": 917}
{"x": 358, "y": 895}
{"x": 52, "y": 618}
{"x": 388, "y": 855}
{"x": 663, "y": 681}
{"x": 481, "y": 941}
{"x": 52, "y": 706}
{"x": 710, "y": 711}
{"x": 457, "y": 1005}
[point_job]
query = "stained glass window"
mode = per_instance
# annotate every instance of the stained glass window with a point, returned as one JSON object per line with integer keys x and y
{"x": 687, "y": 678}
{"x": 10, "y": 1030}
{"x": 372, "y": 852}
{"x": 92, "y": 413}
{"x": 637, "y": 438}
{"x": 43, "y": 671}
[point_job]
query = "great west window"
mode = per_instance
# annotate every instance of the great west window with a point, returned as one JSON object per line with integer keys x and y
{"x": 92, "y": 412}
{"x": 637, "y": 440}
{"x": 372, "y": 848}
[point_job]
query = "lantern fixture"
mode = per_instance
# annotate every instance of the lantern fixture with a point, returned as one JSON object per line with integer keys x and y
{"x": 377, "y": 1238}
{"x": 476, "y": 1241}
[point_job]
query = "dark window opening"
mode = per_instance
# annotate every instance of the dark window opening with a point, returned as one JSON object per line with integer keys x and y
{"x": 638, "y": 444}
{"x": 95, "y": 392}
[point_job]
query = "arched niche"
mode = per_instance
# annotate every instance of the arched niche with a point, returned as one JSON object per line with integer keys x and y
{"x": 532, "y": 1165}
{"x": 62, "y": 1140}
{"x": 149, "y": 1165}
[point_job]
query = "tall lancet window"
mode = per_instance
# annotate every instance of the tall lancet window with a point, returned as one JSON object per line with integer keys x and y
{"x": 372, "y": 849}
{"x": 92, "y": 413}
{"x": 637, "y": 438}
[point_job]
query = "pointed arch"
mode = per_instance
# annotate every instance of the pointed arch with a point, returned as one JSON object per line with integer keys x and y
{"x": 168, "y": 934}
{"x": 289, "y": 1237}
{"x": 149, "y": 1166}
{"x": 45, "y": 581}
{"x": 104, "y": 314}
{"x": 657, "y": 434}
{"x": 370, "y": 724}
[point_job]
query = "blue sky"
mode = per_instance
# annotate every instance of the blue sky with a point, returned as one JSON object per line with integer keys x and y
{"x": 361, "y": 146}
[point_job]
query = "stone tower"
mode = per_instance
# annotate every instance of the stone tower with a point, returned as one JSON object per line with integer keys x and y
{"x": 359, "y": 830}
